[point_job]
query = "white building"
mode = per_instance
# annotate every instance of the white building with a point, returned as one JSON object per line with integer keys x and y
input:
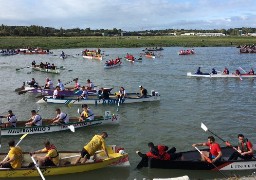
{"x": 210, "y": 34}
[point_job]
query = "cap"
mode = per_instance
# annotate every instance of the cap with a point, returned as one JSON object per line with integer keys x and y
{"x": 140, "y": 86}
{"x": 10, "y": 111}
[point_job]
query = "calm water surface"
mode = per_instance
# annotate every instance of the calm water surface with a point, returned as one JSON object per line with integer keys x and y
{"x": 226, "y": 106}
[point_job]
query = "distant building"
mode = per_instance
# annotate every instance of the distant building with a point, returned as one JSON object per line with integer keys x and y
{"x": 210, "y": 34}
{"x": 188, "y": 34}
{"x": 252, "y": 34}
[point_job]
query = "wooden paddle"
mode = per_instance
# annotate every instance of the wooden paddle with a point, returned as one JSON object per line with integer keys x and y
{"x": 210, "y": 161}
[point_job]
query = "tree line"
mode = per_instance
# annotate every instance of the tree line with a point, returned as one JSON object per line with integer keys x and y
{"x": 34, "y": 30}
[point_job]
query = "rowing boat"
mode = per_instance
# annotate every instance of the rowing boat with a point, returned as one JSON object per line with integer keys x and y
{"x": 130, "y": 98}
{"x": 112, "y": 66}
{"x": 117, "y": 157}
{"x": 54, "y": 71}
{"x": 220, "y": 75}
{"x": 191, "y": 160}
{"x": 108, "y": 118}
{"x": 96, "y": 57}
{"x": 150, "y": 56}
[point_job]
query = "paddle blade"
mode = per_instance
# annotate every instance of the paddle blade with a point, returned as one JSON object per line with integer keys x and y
{"x": 72, "y": 128}
{"x": 204, "y": 127}
{"x": 78, "y": 111}
{"x": 24, "y": 135}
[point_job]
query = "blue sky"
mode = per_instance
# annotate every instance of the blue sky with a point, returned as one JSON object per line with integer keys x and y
{"x": 130, "y": 15}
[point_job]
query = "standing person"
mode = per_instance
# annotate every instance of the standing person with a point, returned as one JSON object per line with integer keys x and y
{"x": 11, "y": 118}
{"x": 87, "y": 114}
{"x": 61, "y": 85}
{"x": 245, "y": 149}
{"x": 143, "y": 92}
{"x": 14, "y": 157}
{"x": 35, "y": 120}
{"x": 61, "y": 118}
{"x": 51, "y": 158}
{"x": 215, "y": 151}
{"x": 97, "y": 143}
{"x": 90, "y": 85}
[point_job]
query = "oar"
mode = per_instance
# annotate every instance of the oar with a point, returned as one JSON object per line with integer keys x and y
{"x": 17, "y": 69}
{"x": 21, "y": 138}
{"x": 210, "y": 161}
{"x": 206, "y": 129}
{"x": 118, "y": 104}
{"x": 36, "y": 165}
{"x": 242, "y": 69}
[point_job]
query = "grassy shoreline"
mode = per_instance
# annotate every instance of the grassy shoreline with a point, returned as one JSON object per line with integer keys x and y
{"x": 123, "y": 42}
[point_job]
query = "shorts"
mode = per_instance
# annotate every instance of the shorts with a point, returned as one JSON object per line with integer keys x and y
{"x": 48, "y": 162}
{"x": 85, "y": 153}
{"x": 7, "y": 165}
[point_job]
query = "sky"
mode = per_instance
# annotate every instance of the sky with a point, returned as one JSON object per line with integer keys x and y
{"x": 130, "y": 15}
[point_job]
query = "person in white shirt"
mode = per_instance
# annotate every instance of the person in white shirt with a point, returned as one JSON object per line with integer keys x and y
{"x": 61, "y": 85}
{"x": 84, "y": 94}
{"x": 11, "y": 118}
{"x": 90, "y": 85}
{"x": 35, "y": 120}
{"x": 61, "y": 118}
{"x": 56, "y": 93}
{"x": 49, "y": 84}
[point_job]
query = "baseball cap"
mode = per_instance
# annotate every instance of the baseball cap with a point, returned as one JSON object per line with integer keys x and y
{"x": 140, "y": 86}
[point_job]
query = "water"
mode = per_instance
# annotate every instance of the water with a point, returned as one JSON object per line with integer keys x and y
{"x": 225, "y": 106}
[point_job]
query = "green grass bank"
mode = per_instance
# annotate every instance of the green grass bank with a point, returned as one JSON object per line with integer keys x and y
{"x": 126, "y": 41}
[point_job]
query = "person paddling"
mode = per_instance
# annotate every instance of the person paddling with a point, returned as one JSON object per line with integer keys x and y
{"x": 244, "y": 149}
{"x": 215, "y": 151}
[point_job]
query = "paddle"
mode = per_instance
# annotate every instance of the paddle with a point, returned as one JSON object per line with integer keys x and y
{"x": 242, "y": 69}
{"x": 118, "y": 104}
{"x": 17, "y": 69}
{"x": 210, "y": 161}
{"x": 36, "y": 165}
{"x": 206, "y": 129}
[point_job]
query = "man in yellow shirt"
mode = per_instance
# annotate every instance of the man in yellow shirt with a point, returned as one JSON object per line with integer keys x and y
{"x": 51, "y": 158}
{"x": 96, "y": 143}
{"x": 14, "y": 157}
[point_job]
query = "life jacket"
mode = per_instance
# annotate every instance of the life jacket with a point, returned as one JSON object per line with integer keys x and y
{"x": 163, "y": 155}
{"x": 244, "y": 146}
{"x": 53, "y": 147}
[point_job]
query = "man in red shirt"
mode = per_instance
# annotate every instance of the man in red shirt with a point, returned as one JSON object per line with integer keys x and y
{"x": 215, "y": 151}
{"x": 244, "y": 149}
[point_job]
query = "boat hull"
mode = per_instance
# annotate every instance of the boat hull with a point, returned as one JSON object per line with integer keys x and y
{"x": 108, "y": 119}
{"x": 220, "y": 75}
{"x": 133, "y": 98}
{"x": 112, "y": 66}
{"x": 191, "y": 160}
{"x": 93, "y": 57}
{"x": 114, "y": 159}
{"x": 54, "y": 71}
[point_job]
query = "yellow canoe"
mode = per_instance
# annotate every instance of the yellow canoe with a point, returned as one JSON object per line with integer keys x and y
{"x": 67, "y": 158}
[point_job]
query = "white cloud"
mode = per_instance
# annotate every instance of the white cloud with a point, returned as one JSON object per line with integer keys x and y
{"x": 132, "y": 15}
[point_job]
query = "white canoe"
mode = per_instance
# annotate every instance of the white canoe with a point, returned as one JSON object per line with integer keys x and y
{"x": 54, "y": 71}
{"x": 131, "y": 98}
{"x": 220, "y": 75}
{"x": 108, "y": 118}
